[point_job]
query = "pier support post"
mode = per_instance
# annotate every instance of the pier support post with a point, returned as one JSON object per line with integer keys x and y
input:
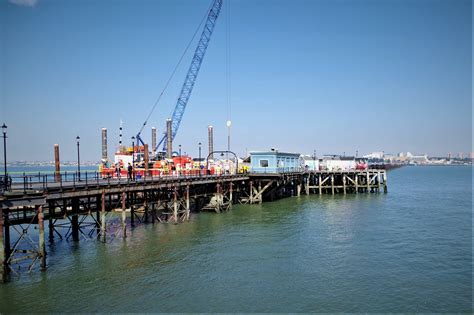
{"x": 332, "y": 184}
{"x": 356, "y": 182}
{"x": 42, "y": 246}
{"x": 3, "y": 261}
{"x": 145, "y": 205}
{"x": 251, "y": 192}
{"x": 6, "y": 225}
{"x": 187, "y": 203}
{"x": 50, "y": 223}
{"x": 298, "y": 189}
{"x": 344, "y": 183}
{"x": 368, "y": 181}
{"x": 378, "y": 181}
{"x": 385, "y": 182}
{"x": 307, "y": 185}
{"x": 260, "y": 198}
{"x": 175, "y": 205}
{"x": 124, "y": 216}
{"x": 98, "y": 204}
{"x": 102, "y": 218}
{"x": 131, "y": 201}
{"x": 75, "y": 220}
{"x": 231, "y": 186}
{"x": 218, "y": 198}
{"x": 319, "y": 184}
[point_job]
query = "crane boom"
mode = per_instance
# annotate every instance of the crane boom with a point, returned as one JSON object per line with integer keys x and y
{"x": 193, "y": 72}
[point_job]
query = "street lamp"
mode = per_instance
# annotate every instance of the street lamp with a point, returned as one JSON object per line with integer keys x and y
{"x": 4, "y": 129}
{"x": 179, "y": 151}
{"x": 200, "y": 158}
{"x": 78, "y": 159}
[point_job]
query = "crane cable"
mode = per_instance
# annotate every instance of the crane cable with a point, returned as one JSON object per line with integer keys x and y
{"x": 175, "y": 69}
{"x": 228, "y": 64}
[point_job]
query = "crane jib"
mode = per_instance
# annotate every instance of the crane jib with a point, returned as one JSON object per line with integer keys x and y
{"x": 193, "y": 71}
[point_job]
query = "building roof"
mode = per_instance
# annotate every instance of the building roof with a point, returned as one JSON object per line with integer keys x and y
{"x": 273, "y": 152}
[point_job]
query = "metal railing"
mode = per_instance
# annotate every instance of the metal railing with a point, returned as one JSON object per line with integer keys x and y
{"x": 40, "y": 182}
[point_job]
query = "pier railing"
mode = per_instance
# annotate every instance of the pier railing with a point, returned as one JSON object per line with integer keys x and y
{"x": 44, "y": 181}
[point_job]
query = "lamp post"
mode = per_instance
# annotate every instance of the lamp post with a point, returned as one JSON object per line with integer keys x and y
{"x": 78, "y": 159}
{"x": 133, "y": 158}
{"x": 179, "y": 147}
{"x": 4, "y": 129}
{"x": 200, "y": 158}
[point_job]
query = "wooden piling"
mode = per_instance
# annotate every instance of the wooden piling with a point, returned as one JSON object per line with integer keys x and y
{"x": 385, "y": 182}
{"x": 332, "y": 184}
{"x": 298, "y": 189}
{"x": 307, "y": 186}
{"x": 42, "y": 246}
{"x": 6, "y": 225}
{"x": 124, "y": 216}
{"x": 175, "y": 205}
{"x": 230, "y": 195}
{"x": 319, "y": 184}
{"x": 356, "y": 182}
{"x": 145, "y": 205}
{"x": 344, "y": 183}
{"x": 102, "y": 218}
{"x": 131, "y": 201}
{"x": 187, "y": 202}
{"x": 50, "y": 223}
{"x": 98, "y": 204}
{"x": 368, "y": 182}
{"x": 3, "y": 261}
{"x": 378, "y": 181}
{"x": 218, "y": 198}
{"x": 75, "y": 220}
{"x": 251, "y": 192}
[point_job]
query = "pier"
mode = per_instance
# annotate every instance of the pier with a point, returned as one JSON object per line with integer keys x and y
{"x": 66, "y": 208}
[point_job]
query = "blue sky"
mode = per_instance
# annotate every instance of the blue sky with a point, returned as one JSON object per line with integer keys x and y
{"x": 335, "y": 76}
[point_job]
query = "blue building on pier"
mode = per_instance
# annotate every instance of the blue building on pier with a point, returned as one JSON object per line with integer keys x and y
{"x": 274, "y": 161}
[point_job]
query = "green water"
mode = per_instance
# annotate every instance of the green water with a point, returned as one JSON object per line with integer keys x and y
{"x": 407, "y": 251}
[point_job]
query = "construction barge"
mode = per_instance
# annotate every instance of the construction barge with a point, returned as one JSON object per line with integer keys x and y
{"x": 106, "y": 208}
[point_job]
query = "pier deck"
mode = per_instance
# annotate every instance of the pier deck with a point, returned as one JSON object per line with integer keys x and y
{"x": 106, "y": 207}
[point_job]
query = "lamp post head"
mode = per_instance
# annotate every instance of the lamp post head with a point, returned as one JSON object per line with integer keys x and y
{"x": 229, "y": 123}
{"x": 4, "y": 128}
{"x": 78, "y": 138}
{"x": 133, "y": 138}
{"x": 199, "y": 143}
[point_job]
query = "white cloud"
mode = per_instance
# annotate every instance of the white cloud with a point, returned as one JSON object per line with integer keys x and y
{"x": 25, "y": 3}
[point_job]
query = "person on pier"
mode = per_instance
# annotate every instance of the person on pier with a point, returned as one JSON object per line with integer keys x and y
{"x": 130, "y": 170}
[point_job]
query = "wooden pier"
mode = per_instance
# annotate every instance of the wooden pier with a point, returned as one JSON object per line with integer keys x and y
{"x": 105, "y": 209}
